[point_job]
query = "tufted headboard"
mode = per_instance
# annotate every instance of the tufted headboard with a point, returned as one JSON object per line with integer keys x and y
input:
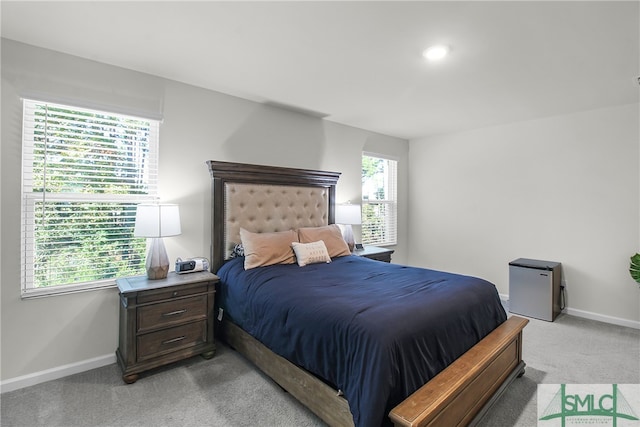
{"x": 265, "y": 199}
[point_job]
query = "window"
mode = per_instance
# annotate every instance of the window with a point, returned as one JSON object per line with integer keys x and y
{"x": 84, "y": 172}
{"x": 379, "y": 200}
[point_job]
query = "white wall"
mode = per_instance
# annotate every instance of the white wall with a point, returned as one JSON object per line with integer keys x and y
{"x": 562, "y": 189}
{"x": 45, "y": 333}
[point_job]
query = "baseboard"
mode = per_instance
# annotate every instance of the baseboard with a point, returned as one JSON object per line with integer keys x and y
{"x": 56, "y": 373}
{"x": 602, "y": 318}
{"x": 590, "y": 315}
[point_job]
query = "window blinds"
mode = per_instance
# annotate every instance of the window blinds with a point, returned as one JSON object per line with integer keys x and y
{"x": 379, "y": 200}
{"x": 84, "y": 172}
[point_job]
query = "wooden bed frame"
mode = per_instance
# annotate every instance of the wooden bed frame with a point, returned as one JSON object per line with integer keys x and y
{"x": 458, "y": 396}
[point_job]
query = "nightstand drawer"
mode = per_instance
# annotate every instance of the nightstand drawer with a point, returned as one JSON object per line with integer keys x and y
{"x": 158, "y": 343}
{"x": 175, "y": 292}
{"x": 165, "y": 320}
{"x": 171, "y": 312}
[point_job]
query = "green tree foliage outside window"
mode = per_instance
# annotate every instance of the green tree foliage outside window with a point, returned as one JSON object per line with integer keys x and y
{"x": 84, "y": 173}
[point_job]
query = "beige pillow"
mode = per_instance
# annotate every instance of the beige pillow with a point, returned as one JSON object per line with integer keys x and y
{"x": 262, "y": 249}
{"x": 330, "y": 235}
{"x": 311, "y": 253}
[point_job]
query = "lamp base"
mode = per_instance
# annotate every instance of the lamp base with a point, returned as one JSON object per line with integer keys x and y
{"x": 347, "y": 235}
{"x": 157, "y": 260}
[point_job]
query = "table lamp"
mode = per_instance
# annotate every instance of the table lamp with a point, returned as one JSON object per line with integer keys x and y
{"x": 347, "y": 215}
{"x": 156, "y": 221}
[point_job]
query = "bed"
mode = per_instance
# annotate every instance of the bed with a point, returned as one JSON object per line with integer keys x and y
{"x": 349, "y": 349}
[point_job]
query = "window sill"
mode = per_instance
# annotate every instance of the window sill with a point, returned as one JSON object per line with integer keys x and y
{"x": 66, "y": 289}
{"x": 380, "y": 244}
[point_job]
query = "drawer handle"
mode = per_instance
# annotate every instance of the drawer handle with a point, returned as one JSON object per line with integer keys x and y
{"x": 174, "y": 313}
{"x": 171, "y": 341}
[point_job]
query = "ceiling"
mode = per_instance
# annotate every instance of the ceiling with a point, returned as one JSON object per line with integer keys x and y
{"x": 360, "y": 63}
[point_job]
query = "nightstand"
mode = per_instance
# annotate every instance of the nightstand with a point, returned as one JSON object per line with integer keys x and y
{"x": 375, "y": 252}
{"x": 165, "y": 320}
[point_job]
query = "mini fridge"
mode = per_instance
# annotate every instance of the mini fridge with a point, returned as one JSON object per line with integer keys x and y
{"x": 534, "y": 288}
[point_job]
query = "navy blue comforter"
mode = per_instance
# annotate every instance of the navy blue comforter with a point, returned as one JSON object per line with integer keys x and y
{"x": 374, "y": 330}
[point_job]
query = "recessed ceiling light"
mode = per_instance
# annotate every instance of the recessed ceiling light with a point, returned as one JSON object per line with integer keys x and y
{"x": 436, "y": 53}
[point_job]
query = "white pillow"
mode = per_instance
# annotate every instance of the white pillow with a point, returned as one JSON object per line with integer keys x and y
{"x": 311, "y": 253}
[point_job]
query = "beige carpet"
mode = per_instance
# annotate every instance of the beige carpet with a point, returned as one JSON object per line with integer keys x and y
{"x": 228, "y": 391}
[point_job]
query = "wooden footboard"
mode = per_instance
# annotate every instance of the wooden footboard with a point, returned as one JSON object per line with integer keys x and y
{"x": 458, "y": 396}
{"x": 465, "y": 389}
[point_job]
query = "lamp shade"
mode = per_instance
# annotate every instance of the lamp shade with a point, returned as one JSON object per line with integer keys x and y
{"x": 157, "y": 220}
{"x": 348, "y": 214}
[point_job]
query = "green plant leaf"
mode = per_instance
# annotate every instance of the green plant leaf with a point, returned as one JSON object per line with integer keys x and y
{"x": 634, "y": 267}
